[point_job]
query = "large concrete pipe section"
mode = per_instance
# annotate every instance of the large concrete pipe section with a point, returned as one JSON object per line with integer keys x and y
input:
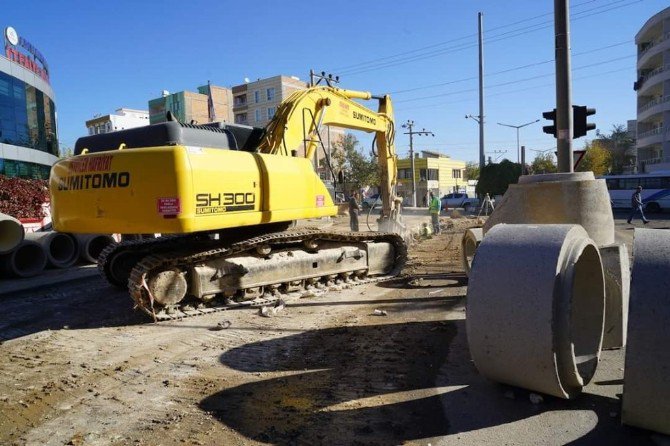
{"x": 27, "y": 260}
{"x": 11, "y": 233}
{"x": 60, "y": 248}
{"x": 469, "y": 244}
{"x": 91, "y": 245}
{"x": 535, "y": 307}
{"x": 571, "y": 198}
{"x": 646, "y": 390}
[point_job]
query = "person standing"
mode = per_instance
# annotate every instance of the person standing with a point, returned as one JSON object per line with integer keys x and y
{"x": 636, "y": 206}
{"x": 354, "y": 209}
{"x": 434, "y": 209}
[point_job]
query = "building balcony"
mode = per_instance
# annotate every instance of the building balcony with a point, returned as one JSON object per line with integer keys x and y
{"x": 656, "y": 46}
{"x": 653, "y": 107}
{"x": 650, "y": 137}
{"x": 652, "y": 78}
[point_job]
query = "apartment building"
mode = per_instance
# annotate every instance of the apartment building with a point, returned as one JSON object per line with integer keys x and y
{"x": 122, "y": 118}
{"x": 433, "y": 172}
{"x": 188, "y": 106}
{"x": 653, "y": 93}
{"x": 255, "y": 103}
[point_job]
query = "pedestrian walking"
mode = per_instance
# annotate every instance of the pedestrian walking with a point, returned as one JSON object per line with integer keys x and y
{"x": 434, "y": 209}
{"x": 636, "y": 206}
{"x": 354, "y": 209}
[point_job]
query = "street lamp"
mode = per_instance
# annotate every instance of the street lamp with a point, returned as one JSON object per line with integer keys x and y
{"x": 517, "y": 127}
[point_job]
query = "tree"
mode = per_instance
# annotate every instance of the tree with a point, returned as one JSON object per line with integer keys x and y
{"x": 358, "y": 169}
{"x": 596, "y": 159}
{"x": 543, "y": 163}
{"x": 471, "y": 170}
{"x": 494, "y": 179}
{"x": 618, "y": 143}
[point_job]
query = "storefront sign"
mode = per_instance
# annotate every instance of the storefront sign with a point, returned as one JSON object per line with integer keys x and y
{"x": 22, "y": 52}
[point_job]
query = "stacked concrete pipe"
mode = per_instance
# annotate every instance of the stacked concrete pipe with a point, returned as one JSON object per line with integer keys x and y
{"x": 60, "y": 248}
{"x": 646, "y": 390}
{"x": 27, "y": 260}
{"x": 535, "y": 307}
{"x": 91, "y": 245}
{"x": 574, "y": 198}
{"x": 11, "y": 233}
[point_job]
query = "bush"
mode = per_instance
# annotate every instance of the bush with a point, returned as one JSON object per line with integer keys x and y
{"x": 23, "y": 198}
{"x": 495, "y": 178}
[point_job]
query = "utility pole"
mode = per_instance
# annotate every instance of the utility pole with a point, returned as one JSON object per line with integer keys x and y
{"x": 481, "y": 91}
{"x": 523, "y": 160}
{"x": 409, "y": 125}
{"x": 564, "y": 125}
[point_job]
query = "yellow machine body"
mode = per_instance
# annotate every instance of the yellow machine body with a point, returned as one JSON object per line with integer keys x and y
{"x": 180, "y": 189}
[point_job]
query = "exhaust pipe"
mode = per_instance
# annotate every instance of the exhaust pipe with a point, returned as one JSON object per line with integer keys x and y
{"x": 11, "y": 233}
{"x": 60, "y": 248}
{"x": 28, "y": 260}
{"x": 91, "y": 245}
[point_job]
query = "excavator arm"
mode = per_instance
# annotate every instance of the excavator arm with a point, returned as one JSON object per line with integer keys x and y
{"x": 296, "y": 128}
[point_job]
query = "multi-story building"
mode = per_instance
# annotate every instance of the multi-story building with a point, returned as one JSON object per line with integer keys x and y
{"x": 433, "y": 172}
{"x": 123, "y": 118}
{"x": 255, "y": 103}
{"x": 188, "y": 106}
{"x": 653, "y": 93}
{"x": 28, "y": 136}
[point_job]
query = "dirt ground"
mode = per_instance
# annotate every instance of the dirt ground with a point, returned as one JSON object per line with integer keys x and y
{"x": 79, "y": 367}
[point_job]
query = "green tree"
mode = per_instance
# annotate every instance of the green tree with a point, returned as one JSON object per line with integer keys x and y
{"x": 494, "y": 179}
{"x": 543, "y": 163}
{"x": 619, "y": 143}
{"x": 596, "y": 159}
{"x": 471, "y": 170}
{"x": 358, "y": 169}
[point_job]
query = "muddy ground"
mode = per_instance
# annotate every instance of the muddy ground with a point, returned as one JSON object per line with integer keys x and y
{"x": 78, "y": 366}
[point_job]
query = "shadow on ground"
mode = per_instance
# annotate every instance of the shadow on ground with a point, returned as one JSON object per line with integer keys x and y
{"x": 336, "y": 378}
{"x": 84, "y": 303}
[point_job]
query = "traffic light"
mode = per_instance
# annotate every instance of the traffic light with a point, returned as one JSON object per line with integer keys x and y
{"x": 550, "y": 129}
{"x": 579, "y": 114}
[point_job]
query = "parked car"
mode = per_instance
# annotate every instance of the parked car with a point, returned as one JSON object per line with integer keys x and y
{"x": 459, "y": 200}
{"x": 373, "y": 200}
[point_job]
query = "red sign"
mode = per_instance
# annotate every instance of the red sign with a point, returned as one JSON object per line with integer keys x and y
{"x": 168, "y": 206}
{"x": 320, "y": 201}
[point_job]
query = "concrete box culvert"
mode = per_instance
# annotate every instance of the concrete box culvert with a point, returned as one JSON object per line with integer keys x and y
{"x": 60, "y": 248}
{"x": 564, "y": 198}
{"x": 27, "y": 260}
{"x": 535, "y": 307}
{"x": 646, "y": 390}
{"x": 91, "y": 245}
{"x": 11, "y": 233}
{"x": 469, "y": 244}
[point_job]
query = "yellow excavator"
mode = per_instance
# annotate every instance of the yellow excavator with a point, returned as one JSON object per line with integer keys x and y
{"x": 224, "y": 197}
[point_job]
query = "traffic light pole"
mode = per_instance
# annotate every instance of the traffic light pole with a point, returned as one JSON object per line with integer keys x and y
{"x": 564, "y": 123}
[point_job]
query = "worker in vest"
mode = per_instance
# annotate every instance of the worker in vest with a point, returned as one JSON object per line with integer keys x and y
{"x": 434, "y": 209}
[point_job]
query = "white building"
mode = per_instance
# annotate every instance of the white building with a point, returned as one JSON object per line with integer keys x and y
{"x": 653, "y": 93}
{"x": 123, "y": 118}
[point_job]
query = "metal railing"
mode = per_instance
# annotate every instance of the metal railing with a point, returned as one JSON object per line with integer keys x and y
{"x": 654, "y": 72}
{"x": 652, "y": 103}
{"x": 656, "y": 131}
{"x": 656, "y": 160}
{"x": 653, "y": 43}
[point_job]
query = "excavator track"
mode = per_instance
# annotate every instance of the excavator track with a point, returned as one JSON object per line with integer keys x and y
{"x": 185, "y": 251}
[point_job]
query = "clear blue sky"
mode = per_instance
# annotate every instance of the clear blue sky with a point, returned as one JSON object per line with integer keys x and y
{"x": 107, "y": 55}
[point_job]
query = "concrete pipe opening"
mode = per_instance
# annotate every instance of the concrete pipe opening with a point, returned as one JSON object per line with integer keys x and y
{"x": 60, "y": 248}
{"x": 28, "y": 260}
{"x": 91, "y": 245}
{"x": 11, "y": 233}
{"x": 469, "y": 244}
{"x": 535, "y": 307}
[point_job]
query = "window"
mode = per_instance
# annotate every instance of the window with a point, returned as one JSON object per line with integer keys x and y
{"x": 257, "y": 96}
{"x": 258, "y": 115}
{"x": 271, "y": 112}
{"x": 270, "y": 92}
{"x": 404, "y": 174}
{"x": 241, "y": 118}
{"x": 429, "y": 174}
{"x": 241, "y": 99}
{"x": 455, "y": 173}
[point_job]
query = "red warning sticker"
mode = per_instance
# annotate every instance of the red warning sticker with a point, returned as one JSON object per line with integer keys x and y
{"x": 320, "y": 201}
{"x": 168, "y": 206}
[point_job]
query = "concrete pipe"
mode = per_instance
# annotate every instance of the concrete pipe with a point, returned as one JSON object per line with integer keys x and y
{"x": 535, "y": 307}
{"x": 646, "y": 390}
{"x": 60, "y": 248}
{"x": 91, "y": 245}
{"x": 616, "y": 266}
{"x": 560, "y": 198}
{"x": 27, "y": 260}
{"x": 11, "y": 233}
{"x": 469, "y": 244}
